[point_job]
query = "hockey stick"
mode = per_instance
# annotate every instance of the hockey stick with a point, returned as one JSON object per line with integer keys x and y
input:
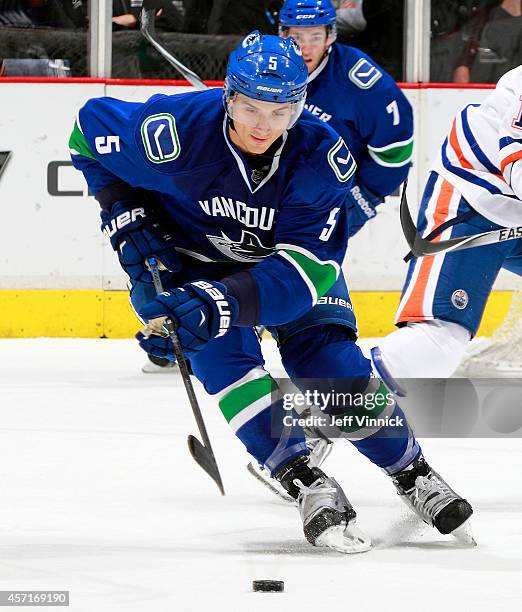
{"x": 420, "y": 247}
{"x": 147, "y": 17}
{"x": 202, "y": 453}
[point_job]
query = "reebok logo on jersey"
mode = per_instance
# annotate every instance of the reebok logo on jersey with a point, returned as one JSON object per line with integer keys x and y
{"x": 221, "y": 303}
{"x": 262, "y": 217}
{"x": 122, "y": 220}
{"x": 362, "y": 202}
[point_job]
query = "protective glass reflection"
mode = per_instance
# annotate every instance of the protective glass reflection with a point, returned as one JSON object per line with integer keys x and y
{"x": 308, "y": 39}
{"x": 263, "y": 115}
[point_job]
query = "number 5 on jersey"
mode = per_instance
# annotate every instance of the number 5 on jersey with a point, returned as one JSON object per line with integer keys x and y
{"x": 330, "y": 225}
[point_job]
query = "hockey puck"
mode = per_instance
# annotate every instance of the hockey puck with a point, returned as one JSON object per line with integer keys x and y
{"x": 268, "y": 586}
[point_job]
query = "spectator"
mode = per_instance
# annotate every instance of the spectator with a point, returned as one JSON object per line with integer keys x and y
{"x": 448, "y": 17}
{"x": 350, "y": 16}
{"x": 197, "y": 13}
{"x": 125, "y": 14}
{"x": 382, "y": 37}
{"x": 69, "y": 15}
{"x": 493, "y": 43}
{"x": 243, "y": 16}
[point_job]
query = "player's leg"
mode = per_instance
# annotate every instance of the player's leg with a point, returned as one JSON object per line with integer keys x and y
{"x": 441, "y": 307}
{"x": 444, "y": 296}
{"x": 232, "y": 369}
{"x": 321, "y": 346}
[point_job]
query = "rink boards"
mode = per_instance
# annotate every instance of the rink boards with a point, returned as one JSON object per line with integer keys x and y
{"x": 59, "y": 277}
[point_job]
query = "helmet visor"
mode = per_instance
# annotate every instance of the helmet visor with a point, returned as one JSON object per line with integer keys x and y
{"x": 275, "y": 116}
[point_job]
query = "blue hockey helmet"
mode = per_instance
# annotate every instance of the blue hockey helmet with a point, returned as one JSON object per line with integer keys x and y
{"x": 307, "y": 14}
{"x": 270, "y": 69}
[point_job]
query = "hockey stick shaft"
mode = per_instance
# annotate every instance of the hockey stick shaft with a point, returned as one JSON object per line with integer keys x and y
{"x": 147, "y": 17}
{"x": 202, "y": 453}
{"x": 421, "y": 247}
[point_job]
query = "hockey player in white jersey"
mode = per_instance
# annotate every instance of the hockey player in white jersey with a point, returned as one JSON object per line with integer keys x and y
{"x": 475, "y": 185}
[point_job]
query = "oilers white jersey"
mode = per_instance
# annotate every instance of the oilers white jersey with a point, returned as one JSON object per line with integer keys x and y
{"x": 482, "y": 154}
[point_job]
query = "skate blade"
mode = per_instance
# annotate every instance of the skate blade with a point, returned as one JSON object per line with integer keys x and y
{"x": 271, "y": 484}
{"x": 464, "y": 535}
{"x": 348, "y": 540}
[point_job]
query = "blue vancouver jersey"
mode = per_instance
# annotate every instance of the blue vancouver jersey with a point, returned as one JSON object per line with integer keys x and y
{"x": 362, "y": 102}
{"x": 283, "y": 238}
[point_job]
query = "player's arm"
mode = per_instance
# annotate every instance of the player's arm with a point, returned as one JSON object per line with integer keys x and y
{"x": 510, "y": 147}
{"x": 385, "y": 122}
{"x": 100, "y": 148}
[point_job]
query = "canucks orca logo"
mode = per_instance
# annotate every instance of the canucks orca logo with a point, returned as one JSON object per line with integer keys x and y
{"x": 248, "y": 248}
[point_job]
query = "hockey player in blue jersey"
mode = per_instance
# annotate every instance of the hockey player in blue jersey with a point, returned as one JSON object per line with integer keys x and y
{"x": 350, "y": 92}
{"x": 243, "y": 206}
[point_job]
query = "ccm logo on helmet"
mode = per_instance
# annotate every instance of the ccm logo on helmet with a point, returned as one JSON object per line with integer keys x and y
{"x": 122, "y": 220}
{"x": 305, "y": 16}
{"x": 221, "y": 303}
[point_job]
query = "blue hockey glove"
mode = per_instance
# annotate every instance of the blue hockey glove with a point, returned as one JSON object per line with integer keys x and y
{"x": 135, "y": 235}
{"x": 202, "y": 310}
{"x": 360, "y": 206}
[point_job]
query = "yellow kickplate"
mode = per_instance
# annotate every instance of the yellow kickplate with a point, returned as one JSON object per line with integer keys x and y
{"x": 98, "y": 314}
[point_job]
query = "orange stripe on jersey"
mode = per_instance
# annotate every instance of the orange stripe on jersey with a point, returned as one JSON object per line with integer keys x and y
{"x": 413, "y": 309}
{"x": 510, "y": 159}
{"x": 453, "y": 140}
{"x": 456, "y": 147}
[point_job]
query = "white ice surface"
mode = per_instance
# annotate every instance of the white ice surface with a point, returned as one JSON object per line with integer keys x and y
{"x": 99, "y": 496}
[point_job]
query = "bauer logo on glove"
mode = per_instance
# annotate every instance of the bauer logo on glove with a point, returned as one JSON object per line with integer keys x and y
{"x": 136, "y": 235}
{"x": 222, "y": 305}
{"x": 202, "y": 311}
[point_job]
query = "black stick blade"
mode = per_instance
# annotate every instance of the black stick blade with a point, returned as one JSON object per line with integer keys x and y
{"x": 206, "y": 460}
{"x": 420, "y": 247}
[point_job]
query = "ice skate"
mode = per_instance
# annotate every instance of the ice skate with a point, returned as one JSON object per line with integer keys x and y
{"x": 263, "y": 475}
{"x": 431, "y": 498}
{"x": 319, "y": 447}
{"x": 158, "y": 365}
{"x": 329, "y": 519}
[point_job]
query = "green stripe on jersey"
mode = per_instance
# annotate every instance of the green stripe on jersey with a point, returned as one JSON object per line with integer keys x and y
{"x": 78, "y": 143}
{"x": 393, "y": 156}
{"x": 322, "y": 275}
{"x": 243, "y": 396}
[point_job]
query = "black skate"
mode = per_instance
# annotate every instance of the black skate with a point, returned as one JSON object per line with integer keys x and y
{"x": 431, "y": 498}
{"x": 159, "y": 365}
{"x": 318, "y": 445}
{"x": 327, "y": 515}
